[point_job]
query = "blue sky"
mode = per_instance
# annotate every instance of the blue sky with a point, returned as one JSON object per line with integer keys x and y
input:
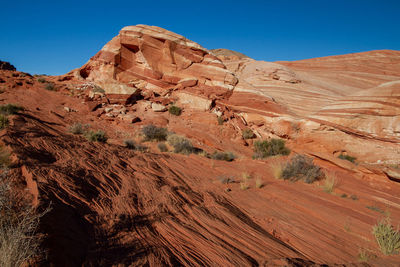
{"x": 54, "y": 37}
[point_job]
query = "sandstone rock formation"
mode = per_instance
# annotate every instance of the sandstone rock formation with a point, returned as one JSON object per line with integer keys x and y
{"x": 150, "y": 58}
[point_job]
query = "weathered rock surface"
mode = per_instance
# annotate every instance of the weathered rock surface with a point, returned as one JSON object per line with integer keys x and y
{"x": 4, "y": 65}
{"x": 148, "y": 57}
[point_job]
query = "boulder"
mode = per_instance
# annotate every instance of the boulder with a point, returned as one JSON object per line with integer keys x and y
{"x": 158, "y": 107}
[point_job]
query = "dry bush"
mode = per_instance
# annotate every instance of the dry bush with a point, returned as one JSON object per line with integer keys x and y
{"x": 181, "y": 144}
{"x": 10, "y": 109}
{"x": 330, "y": 182}
{"x": 248, "y": 134}
{"x": 19, "y": 222}
{"x": 78, "y": 128}
{"x": 277, "y": 169}
{"x": 388, "y": 239}
{"x": 152, "y": 132}
{"x": 3, "y": 121}
{"x": 162, "y": 147}
{"x": 302, "y": 167}
{"x": 98, "y": 136}
{"x": 268, "y": 148}
{"x": 5, "y": 160}
{"x": 347, "y": 157}
{"x": 130, "y": 144}
{"x": 227, "y": 156}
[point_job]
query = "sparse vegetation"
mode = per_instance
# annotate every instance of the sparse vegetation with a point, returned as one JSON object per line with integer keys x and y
{"x": 364, "y": 255}
{"x": 181, "y": 144}
{"x": 273, "y": 147}
{"x": 50, "y": 87}
{"x": 174, "y": 110}
{"x": 98, "y": 89}
{"x": 354, "y": 197}
{"x": 248, "y": 134}
{"x": 377, "y": 209}
{"x": 259, "y": 183}
{"x": 162, "y": 147}
{"x": 227, "y": 156}
{"x": 5, "y": 160}
{"x": 78, "y": 128}
{"x": 220, "y": 120}
{"x": 347, "y": 157}
{"x": 10, "y": 109}
{"x": 18, "y": 226}
{"x": 3, "y": 121}
{"x": 152, "y": 132}
{"x": 41, "y": 80}
{"x": 98, "y": 136}
{"x": 388, "y": 239}
{"x": 130, "y": 144}
{"x": 330, "y": 183}
{"x": 277, "y": 169}
{"x": 244, "y": 184}
{"x": 225, "y": 179}
{"x": 302, "y": 167}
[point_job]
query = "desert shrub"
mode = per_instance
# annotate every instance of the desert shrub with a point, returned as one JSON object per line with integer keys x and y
{"x": 3, "y": 121}
{"x": 98, "y": 136}
{"x": 10, "y": 109}
{"x": 174, "y": 110}
{"x": 259, "y": 183}
{"x": 181, "y": 144}
{"x": 227, "y": 156}
{"x": 226, "y": 179}
{"x": 162, "y": 147}
{"x": 78, "y": 128}
{"x": 5, "y": 160}
{"x": 302, "y": 167}
{"x": 347, "y": 157}
{"x": 220, "y": 120}
{"x": 18, "y": 227}
{"x": 41, "y": 80}
{"x": 244, "y": 184}
{"x": 388, "y": 239}
{"x": 330, "y": 183}
{"x": 50, "y": 87}
{"x": 277, "y": 169}
{"x": 248, "y": 134}
{"x": 130, "y": 144}
{"x": 98, "y": 89}
{"x": 270, "y": 148}
{"x": 152, "y": 132}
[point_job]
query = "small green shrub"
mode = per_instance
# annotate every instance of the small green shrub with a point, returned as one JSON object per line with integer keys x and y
{"x": 181, "y": 144}
{"x": 301, "y": 167}
{"x": 227, "y": 156}
{"x": 41, "y": 80}
{"x": 273, "y": 147}
{"x": 248, "y": 134}
{"x": 3, "y": 121}
{"x": 152, "y": 132}
{"x": 10, "y": 109}
{"x": 174, "y": 110}
{"x": 162, "y": 147}
{"x": 388, "y": 239}
{"x": 50, "y": 87}
{"x": 130, "y": 144}
{"x": 78, "y": 128}
{"x": 347, "y": 157}
{"x": 98, "y": 136}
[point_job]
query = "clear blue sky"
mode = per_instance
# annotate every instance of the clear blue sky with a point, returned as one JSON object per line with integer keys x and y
{"x": 54, "y": 37}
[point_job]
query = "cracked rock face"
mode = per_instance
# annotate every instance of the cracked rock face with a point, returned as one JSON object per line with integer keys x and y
{"x": 157, "y": 60}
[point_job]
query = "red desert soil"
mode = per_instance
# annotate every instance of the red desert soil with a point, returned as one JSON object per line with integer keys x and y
{"x": 112, "y": 206}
